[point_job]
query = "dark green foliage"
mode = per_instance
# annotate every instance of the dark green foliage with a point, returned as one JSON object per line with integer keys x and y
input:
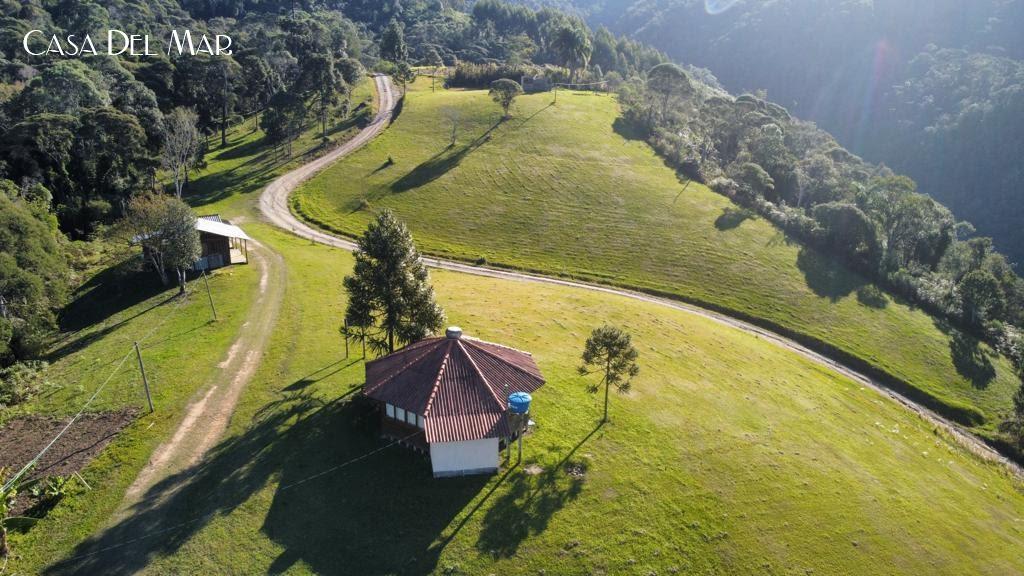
{"x": 284, "y": 118}
{"x": 389, "y": 294}
{"x": 609, "y": 351}
{"x": 504, "y": 92}
{"x": 982, "y": 296}
{"x": 33, "y": 273}
{"x": 165, "y": 228}
{"x": 848, "y": 231}
{"x": 392, "y": 43}
{"x": 20, "y": 382}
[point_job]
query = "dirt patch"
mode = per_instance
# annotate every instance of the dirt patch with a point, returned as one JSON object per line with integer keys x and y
{"x": 533, "y": 470}
{"x": 22, "y": 438}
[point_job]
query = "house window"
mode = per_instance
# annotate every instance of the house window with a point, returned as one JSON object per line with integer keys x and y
{"x": 390, "y": 411}
{"x": 419, "y": 421}
{"x": 399, "y": 413}
{"x": 410, "y": 418}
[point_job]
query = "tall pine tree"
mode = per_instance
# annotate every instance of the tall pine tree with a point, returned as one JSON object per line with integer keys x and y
{"x": 389, "y": 293}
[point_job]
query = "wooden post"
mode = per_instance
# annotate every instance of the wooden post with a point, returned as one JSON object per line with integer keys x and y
{"x": 145, "y": 381}
{"x": 209, "y": 296}
{"x": 345, "y": 334}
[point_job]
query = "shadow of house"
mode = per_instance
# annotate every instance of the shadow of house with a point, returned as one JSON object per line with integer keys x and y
{"x": 526, "y": 508}
{"x": 825, "y": 277}
{"x": 345, "y": 502}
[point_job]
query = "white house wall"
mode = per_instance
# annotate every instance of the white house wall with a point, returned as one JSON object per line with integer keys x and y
{"x": 468, "y": 457}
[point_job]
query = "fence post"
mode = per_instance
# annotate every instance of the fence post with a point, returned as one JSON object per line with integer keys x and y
{"x": 145, "y": 381}
{"x": 209, "y": 295}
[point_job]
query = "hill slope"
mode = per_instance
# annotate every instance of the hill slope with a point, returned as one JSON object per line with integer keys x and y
{"x": 731, "y": 456}
{"x": 557, "y": 189}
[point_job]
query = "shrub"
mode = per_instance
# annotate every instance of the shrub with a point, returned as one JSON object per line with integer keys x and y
{"x": 20, "y": 382}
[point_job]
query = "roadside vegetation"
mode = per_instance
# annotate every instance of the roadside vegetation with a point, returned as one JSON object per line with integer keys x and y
{"x": 525, "y": 193}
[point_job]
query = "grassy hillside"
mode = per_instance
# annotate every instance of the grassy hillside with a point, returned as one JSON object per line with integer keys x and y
{"x": 558, "y": 189}
{"x": 731, "y": 456}
{"x": 180, "y": 345}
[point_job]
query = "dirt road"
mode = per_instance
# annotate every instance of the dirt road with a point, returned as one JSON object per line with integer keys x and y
{"x": 208, "y": 416}
{"x": 274, "y": 205}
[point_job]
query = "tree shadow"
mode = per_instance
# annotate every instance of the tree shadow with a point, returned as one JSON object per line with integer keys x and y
{"x": 731, "y": 217}
{"x": 105, "y": 295}
{"x": 441, "y": 163}
{"x": 527, "y": 507}
{"x": 970, "y": 359}
{"x": 826, "y": 278}
{"x": 345, "y": 502}
{"x": 629, "y": 130}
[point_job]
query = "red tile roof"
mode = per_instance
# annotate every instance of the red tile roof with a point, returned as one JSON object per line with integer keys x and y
{"x": 459, "y": 385}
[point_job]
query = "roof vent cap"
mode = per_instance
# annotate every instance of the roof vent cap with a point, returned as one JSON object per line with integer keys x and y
{"x": 453, "y": 332}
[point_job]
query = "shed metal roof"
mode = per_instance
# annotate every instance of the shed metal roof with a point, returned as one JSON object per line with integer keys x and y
{"x": 459, "y": 385}
{"x": 220, "y": 229}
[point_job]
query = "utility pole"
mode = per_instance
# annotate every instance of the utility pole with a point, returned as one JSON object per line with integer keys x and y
{"x": 209, "y": 296}
{"x": 145, "y": 381}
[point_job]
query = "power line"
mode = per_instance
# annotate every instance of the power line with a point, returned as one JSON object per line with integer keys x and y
{"x": 211, "y": 514}
{"x": 81, "y": 411}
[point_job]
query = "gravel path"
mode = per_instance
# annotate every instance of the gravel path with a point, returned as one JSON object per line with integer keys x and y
{"x": 274, "y": 206}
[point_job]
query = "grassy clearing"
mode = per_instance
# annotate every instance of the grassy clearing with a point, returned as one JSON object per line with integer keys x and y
{"x": 246, "y": 165}
{"x": 731, "y": 456}
{"x": 557, "y": 189}
{"x": 181, "y": 347}
{"x": 114, "y": 308}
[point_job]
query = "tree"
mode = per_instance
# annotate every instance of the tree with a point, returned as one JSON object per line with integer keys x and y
{"x": 389, "y": 292}
{"x": 453, "y": 115}
{"x": 1014, "y": 424}
{"x": 165, "y": 227}
{"x": 609, "y": 352}
{"x": 981, "y": 295}
{"x": 259, "y": 84}
{"x": 504, "y": 92}
{"x": 33, "y": 272}
{"x": 284, "y": 118}
{"x": 404, "y": 74}
{"x": 392, "y": 43}
{"x": 320, "y": 77}
{"x": 435, "y": 61}
{"x": 573, "y": 46}
{"x": 848, "y": 232}
{"x": 668, "y": 80}
{"x": 182, "y": 143}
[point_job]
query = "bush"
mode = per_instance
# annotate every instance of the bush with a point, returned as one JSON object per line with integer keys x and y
{"x": 481, "y": 75}
{"x": 20, "y": 382}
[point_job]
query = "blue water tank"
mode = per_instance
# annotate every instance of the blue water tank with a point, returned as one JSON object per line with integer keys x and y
{"x": 519, "y": 402}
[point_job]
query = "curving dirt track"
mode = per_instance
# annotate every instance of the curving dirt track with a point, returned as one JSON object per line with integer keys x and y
{"x": 274, "y": 206}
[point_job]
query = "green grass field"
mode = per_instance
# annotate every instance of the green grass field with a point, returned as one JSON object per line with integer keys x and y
{"x": 181, "y": 347}
{"x": 115, "y": 307}
{"x": 731, "y": 456}
{"x": 557, "y": 189}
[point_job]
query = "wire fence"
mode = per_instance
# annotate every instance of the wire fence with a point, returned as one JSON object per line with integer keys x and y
{"x": 118, "y": 363}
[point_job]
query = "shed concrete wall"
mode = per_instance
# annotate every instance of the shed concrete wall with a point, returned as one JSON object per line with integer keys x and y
{"x": 467, "y": 457}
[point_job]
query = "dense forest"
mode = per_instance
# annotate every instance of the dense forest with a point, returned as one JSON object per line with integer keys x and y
{"x": 81, "y": 138}
{"x": 932, "y": 88}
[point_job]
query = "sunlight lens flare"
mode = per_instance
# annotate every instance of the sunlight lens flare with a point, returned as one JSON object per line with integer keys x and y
{"x": 718, "y": 6}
